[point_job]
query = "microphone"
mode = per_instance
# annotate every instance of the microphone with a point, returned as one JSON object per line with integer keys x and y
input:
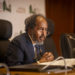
{"x": 70, "y": 36}
{"x": 60, "y": 57}
{"x": 6, "y": 67}
{"x": 73, "y": 38}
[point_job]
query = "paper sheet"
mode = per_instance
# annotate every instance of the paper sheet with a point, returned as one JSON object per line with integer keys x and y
{"x": 69, "y": 62}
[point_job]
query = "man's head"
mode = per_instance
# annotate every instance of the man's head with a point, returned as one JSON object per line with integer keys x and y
{"x": 37, "y": 27}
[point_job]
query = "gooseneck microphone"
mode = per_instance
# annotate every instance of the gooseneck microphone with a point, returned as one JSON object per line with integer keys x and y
{"x": 60, "y": 57}
{"x": 70, "y": 36}
{"x": 6, "y": 67}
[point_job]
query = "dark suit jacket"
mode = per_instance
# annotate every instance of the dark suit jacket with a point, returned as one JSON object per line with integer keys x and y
{"x": 21, "y": 51}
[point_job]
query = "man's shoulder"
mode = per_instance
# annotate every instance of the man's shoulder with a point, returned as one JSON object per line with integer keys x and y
{"x": 20, "y": 38}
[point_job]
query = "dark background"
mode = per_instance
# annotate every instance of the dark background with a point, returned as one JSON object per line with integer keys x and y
{"x": 62, "y": 13}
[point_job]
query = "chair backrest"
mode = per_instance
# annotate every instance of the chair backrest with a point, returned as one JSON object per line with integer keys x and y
{"x": 49, "y": 43}
{"x": 67, "y": 43}
{"x": 5, "y": 34}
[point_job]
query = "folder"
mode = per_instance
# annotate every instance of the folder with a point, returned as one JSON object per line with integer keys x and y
{"x": 68, "y": 62}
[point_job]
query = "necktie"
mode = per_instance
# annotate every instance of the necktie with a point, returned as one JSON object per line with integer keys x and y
{"x": 37, "y": 49}
{"x": 37, "y": 52}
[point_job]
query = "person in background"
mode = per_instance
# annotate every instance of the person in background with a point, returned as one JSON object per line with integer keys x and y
{"x": 27, "y": 47}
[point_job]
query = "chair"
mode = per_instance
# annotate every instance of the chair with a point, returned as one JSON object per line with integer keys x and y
{"x": 5, "y": 34}
{"x": 49, "y": 44}
{"x": 67, "y": 43}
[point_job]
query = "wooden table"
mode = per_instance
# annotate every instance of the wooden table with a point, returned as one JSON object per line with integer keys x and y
{"x": 71, "y": 72}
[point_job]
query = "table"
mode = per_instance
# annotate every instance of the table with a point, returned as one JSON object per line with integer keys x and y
{"x": 71, "y": 72}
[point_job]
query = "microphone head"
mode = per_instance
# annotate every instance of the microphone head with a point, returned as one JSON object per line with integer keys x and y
{"x": 70, "y": 36}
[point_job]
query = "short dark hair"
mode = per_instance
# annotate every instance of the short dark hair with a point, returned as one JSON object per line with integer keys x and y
{"x": 30, "y": 22}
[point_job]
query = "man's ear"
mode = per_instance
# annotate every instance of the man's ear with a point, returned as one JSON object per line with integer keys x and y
{"x": 30, "y": 31}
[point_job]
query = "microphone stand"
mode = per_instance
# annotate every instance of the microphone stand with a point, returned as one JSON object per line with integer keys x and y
{"x": 60, "y": 57}
{"x": 6, "y": 67}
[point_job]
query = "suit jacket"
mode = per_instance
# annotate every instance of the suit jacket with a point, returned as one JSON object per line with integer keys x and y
{"x": 21, "y": 51}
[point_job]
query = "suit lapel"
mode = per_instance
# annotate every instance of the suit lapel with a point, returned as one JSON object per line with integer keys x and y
{"x": 30, "y": 49}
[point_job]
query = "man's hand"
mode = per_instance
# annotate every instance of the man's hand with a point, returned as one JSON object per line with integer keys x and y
{"x": 48, "y": 56}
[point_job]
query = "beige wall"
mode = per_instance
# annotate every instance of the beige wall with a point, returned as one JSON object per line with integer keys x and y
{"x": 19, "y": 11}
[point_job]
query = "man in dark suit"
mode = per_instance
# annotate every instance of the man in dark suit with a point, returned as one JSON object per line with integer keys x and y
{"x": 23, "y": 50}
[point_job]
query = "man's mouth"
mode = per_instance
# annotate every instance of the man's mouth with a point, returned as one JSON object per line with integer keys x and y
{"x": 42, "y": 38}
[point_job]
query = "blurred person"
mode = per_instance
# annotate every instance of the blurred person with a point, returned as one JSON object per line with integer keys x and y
{"x": 27, "y": 47}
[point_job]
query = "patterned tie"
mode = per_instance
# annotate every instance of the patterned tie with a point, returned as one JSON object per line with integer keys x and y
{"x": 37, "y": 49}
{"x": 37, "y": 52}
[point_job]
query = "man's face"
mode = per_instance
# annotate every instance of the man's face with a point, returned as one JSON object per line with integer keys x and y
{"x": 40, "y": 30}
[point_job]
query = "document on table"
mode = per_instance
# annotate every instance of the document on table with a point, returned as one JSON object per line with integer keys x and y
{"x": 68, "y": 62}
{"x": 54, "y": 66}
